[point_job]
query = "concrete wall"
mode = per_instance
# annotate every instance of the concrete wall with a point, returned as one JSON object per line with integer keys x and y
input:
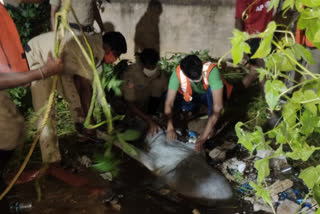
{"x": 172, "y": 25}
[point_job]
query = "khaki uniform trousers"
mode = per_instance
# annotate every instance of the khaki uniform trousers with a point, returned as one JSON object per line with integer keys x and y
{"x": 11, "y": 124}
{"x": 74, "y": 64}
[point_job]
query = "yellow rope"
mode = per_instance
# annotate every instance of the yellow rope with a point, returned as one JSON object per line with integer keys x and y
{"x": 34, "y": 143}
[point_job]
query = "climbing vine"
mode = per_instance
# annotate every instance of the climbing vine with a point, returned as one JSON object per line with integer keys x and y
{"x": 300, "y": 113}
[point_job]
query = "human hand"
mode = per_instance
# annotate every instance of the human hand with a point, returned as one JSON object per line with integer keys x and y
{"x": 171, "y": 134}
{"x": 52, "y": 66}
{"x": 153, "y": 129}
{"x": 199, "y": 144}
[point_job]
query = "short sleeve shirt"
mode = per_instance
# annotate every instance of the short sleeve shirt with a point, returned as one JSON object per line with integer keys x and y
{"x": 11, "y": 2}
{"x": 138, "y": 88}
{"x": 257, "y": 16}
{"x": 215, "y": 82}
{"x": 83, "y": 10}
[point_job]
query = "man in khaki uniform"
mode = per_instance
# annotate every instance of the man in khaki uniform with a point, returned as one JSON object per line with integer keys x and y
{"x": 75, "y": 66}
{"x": 12, "y": 75}
{"x": 143, "y": 86}
{"x": 85, "y": 10}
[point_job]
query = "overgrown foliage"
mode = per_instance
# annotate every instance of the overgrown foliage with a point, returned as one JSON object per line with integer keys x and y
{"x": 301, "y": 111}
{"x": 30, "y": 19}
{"x": 169, "y": 64}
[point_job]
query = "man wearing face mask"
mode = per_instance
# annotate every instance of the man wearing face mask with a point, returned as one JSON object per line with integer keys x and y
{"x": 114, "y": 44}
{"x": 107, "y": 49}
{"x": 143, "y": 86}
{"x": 195, "y": 83}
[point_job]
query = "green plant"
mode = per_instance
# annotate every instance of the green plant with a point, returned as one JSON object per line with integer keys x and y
{"x": 16, "y": 94}
{"x": 169, "y": 64}
{"x": 301, "y": 112}
{"x": 257, "y": 112}
{"x": 31, "y": 19}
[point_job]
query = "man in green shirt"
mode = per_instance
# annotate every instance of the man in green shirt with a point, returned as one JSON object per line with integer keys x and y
{"x": 197, "y": 83}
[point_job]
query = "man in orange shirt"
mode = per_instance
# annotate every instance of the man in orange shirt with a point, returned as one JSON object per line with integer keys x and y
{"x": 13, "y": 64}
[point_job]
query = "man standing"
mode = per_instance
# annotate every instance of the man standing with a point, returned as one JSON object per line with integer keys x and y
{"x": 252, "y": 16}
{"x": 86, "y": 11}
{"x": 197, "y": 83}
{"x": 106, "y": 49}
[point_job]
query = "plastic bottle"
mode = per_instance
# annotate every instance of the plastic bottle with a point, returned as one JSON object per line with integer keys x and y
{"x": 21, "y": 207}
{"x": 192, "y": 137}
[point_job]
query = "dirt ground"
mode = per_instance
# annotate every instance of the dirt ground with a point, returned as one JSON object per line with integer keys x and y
{"x": 134, "y": 190}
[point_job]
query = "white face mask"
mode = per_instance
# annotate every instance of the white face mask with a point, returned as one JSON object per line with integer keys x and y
{"x": 149, "y": 72}
{"x": 198, "y": 80}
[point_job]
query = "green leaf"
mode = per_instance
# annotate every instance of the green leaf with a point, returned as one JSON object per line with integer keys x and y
{"x": 310, "y": 101}
{"x": 304, "y": 53}
{"x": 129, "y": 135}
{"x": 303, "y": 152}
{"x": 318, "y": 211}
{"x": 265, "y": 44}
{"x": 316, "y": 193}
{"x": 308, "y": 176}
{"x": 273, "y": 89}
{"x": 273, "y": 5}
{"x": 297, "y": 97}
{"x": 289, "y": 113}
{"x": 98, "y": 158}
{"x": 262, "y": 193}
{"x": 309, "y": 122}
{"x": 262, "y": 73}
{"x": 311, "y": 24}
{"x": 127, "y": 148}
{"x": 311, "y": 3}
{"x": 263, "y": 169}
{"x": 239, "y": 45}
{"x": 103, "y": 166}
{"x": 279, "y": 133}
{"x": 288, "y": 4}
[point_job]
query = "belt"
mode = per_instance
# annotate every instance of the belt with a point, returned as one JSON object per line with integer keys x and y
{"x": 87, "y": 29}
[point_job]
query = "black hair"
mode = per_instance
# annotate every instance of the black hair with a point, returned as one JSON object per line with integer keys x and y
{"x": 116, "y": 41}
{"x": 191, "y": 66}
{"x": 149, "y": 56}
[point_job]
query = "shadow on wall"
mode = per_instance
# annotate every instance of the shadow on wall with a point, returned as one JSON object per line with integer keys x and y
{"x": 147, "y": 30}
{"x": 108, "y": 27}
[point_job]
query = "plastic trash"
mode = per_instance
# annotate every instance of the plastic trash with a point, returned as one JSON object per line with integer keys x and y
{"x": 21, "y": 207}
{"x": 192, "y": 137}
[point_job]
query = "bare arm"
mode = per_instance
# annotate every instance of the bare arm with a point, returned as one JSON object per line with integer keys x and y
{"x": 97, "y": 16}
{"x": 239, "y": 24}
{"x": 213, "y": 118}
{"x": 32, "y": 1}
{"x": 53, "y": 12}
{"x": 168, "y": 109}
{"x": 14, "y": 79}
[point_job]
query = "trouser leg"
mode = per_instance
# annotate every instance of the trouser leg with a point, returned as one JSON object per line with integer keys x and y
{"x": 49, "y": 144}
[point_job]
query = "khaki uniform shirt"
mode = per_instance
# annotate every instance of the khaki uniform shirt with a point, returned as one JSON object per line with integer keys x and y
{"x": 138, "y": 88}
{"x": 83, "y": 10}
{"x": 11, "y": 123}
{"x": 74, "y": 62}
{"x": 11, "y": 2}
